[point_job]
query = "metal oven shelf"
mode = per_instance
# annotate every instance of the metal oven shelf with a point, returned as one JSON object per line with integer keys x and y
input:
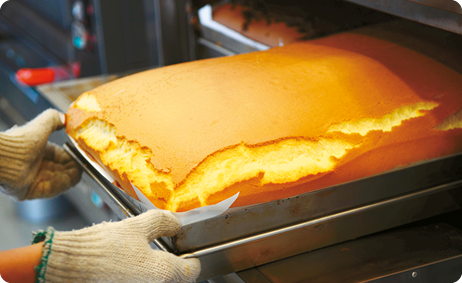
{"x": 251, "y": 236}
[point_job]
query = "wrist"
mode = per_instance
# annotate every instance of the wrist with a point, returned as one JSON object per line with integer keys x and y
{"x": 47, "y": 238}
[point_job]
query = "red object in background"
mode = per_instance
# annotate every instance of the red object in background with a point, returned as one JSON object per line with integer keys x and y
{"x": 37, "y": 76}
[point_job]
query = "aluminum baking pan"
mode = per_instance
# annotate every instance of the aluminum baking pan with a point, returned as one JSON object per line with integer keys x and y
{"x": 251, "y": 236}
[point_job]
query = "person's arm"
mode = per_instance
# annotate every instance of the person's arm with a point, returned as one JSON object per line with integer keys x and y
{"x": 18, "y": 265}
{"x": 106, "y": 252}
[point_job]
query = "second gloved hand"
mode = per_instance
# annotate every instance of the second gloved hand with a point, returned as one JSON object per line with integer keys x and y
{"x": 116, "y": 252}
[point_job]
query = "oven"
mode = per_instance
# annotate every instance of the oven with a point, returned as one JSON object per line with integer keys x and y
{"x": 398, "y": 226}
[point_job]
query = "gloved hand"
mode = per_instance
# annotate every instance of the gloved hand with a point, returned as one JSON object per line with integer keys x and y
{"x": 30, "y": 166}
{"x": 115, "y": 252}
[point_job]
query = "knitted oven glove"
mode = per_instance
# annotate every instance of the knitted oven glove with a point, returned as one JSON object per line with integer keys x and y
{"x": 115, "y": 252}
{"x": 30, "y": 166}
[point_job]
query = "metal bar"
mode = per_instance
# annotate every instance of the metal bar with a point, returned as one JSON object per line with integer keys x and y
{"x": 174, "y": 31}
{"x": 225, "y": 246}
{"x": 100, "y": 37}
{"x": 215, "y": 47}
{"x": 425, "y": 14}
{"x": 160, "y": 36}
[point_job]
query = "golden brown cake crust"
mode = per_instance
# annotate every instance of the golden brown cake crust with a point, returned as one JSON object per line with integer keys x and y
{"x": 187, "y": 112}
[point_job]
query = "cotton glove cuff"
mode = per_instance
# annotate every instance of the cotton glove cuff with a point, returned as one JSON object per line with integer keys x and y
{"x": 116, "y": 252}
{"x": 30, "y": 166}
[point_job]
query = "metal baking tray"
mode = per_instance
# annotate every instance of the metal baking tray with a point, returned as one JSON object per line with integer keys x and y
{"x": 62, "y": 94}
{"x": 251, "y": 236}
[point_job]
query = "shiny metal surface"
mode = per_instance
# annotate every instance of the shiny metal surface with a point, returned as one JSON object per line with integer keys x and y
{"x": 325, "y": 231}
{"x": 427, "y": 252}
{"x": 432, "y": 15}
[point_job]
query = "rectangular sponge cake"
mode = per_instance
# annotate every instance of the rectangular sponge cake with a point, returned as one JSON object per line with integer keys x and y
{"x": 271, "y": 124}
